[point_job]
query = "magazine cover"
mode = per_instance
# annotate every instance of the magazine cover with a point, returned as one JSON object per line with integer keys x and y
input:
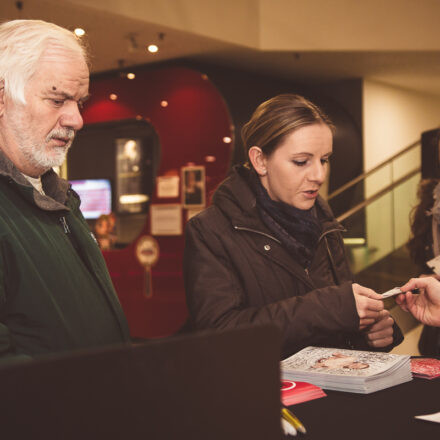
{"x": 341, "y": 362}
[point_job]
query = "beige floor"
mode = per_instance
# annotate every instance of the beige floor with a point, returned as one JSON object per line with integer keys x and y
{"x": 409, "y": 345}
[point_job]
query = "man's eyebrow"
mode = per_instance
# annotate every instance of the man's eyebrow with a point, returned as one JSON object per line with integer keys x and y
{"x": 67, "y": 95}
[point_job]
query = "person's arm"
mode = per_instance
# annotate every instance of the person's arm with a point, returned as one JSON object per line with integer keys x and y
{"x": 424, "y": 306}
{"x": 216, "y": 298}
{"x": 7, "y": 350}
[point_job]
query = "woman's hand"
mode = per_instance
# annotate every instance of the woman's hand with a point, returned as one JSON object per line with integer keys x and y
{"x": 424, "y": 306}
{"x": 380, "y": 334}
{"x": 369, "y": 305}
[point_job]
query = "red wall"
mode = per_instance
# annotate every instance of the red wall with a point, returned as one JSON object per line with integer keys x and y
{"x": 190, "y": 128}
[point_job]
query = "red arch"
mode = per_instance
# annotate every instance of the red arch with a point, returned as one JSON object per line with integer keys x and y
{"x": 191, "y": 127}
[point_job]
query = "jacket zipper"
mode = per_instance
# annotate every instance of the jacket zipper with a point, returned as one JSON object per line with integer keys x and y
{"x": 306, "y": 270}
{"x": 331, "y": 230}
{"x": 64, "y": 225}
{"x": 242, "y": 228}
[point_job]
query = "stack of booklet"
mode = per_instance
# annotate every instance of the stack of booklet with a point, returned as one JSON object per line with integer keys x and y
{"x": 347, "y": 370}
{"x": 293, "y": 392}
{"x": 425, "y": 368}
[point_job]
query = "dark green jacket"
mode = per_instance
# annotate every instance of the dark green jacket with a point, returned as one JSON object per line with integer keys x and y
{"x": 55, "y": 290}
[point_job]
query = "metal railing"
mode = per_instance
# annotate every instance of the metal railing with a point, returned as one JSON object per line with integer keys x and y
{"x": 374, "y": 170}
{"x": 384, "y": 208}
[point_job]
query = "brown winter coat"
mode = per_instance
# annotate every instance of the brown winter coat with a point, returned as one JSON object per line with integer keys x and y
{"x": 237, "y": 273}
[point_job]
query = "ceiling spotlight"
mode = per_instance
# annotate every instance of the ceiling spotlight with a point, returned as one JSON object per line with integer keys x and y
{"x": 210, "y": 158}
{"x": 164, "y": 103}
{"x": 227, "y": 140}
{"x": 79, "y": 32}
{"x": 113, "y": 97}
{"x": 131, "y": 75}
{"x": 152, "y": 48}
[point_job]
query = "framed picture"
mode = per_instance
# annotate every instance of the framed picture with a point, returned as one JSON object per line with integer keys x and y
{"x": 166, "y": 219}
{"x": 193, "y": 186}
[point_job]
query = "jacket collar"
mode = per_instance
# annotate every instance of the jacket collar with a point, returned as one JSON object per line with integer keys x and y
{"x": 235, "y": 197}
{"x": 56, "y": 189}
{"x": 236, "y": 200}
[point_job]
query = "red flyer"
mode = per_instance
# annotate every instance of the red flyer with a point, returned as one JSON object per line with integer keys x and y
{"x": 426, "y": 368}
{"x": 297, "y": 392}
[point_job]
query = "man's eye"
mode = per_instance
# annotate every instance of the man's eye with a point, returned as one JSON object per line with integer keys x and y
{"x": 58, "y": 102}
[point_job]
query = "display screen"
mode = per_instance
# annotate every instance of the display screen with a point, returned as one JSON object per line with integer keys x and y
{"x": 96, "y": 196}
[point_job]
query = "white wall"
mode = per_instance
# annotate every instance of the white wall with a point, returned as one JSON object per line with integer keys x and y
{"x": 393, "y": 118}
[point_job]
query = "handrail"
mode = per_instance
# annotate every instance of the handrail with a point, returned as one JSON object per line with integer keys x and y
{"x": 373, "y": 170}
{"x": 379, "y": 194}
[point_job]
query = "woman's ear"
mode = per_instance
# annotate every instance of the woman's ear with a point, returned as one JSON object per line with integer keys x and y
{"x": 258, "y": 160}
{"x": 2, "y": 97}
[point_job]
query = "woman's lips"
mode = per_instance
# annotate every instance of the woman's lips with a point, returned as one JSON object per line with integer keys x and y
{"x": 311, "y": 194}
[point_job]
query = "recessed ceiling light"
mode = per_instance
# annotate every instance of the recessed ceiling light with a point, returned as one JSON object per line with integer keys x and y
{"x": 210, "y": 158}
{"x": 79, "y": 32}
{"x": 152, "y": 48}
{"x": 113, "y": 97}
{"x": 227, "y": 140}
{"x": 164, "y": 103}
{"x": 131, "y": 75}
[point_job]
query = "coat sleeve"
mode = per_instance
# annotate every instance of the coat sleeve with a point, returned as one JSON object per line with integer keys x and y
{"x": 216, "y": 299}
{"x": 7, "y": 351}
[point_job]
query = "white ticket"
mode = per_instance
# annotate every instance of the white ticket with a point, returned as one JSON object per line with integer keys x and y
{"x": 392, "y": 292}
{"x": 430, "y": 417}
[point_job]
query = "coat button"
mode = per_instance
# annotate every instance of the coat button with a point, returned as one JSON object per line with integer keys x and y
{"x": 267, "y": 247}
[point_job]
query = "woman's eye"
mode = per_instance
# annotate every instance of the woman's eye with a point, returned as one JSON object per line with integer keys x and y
{"x": 300, "y": 163}
{"x": 324, "y": 161}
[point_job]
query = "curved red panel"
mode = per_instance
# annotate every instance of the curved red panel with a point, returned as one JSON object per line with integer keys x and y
{"x": 190, "y": 127}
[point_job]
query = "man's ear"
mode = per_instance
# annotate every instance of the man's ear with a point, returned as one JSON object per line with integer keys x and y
{"x": 258, "y": 160}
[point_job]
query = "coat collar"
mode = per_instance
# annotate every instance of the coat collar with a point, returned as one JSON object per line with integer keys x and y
{"x": 236, "y": 200}
{"x": 235, "y": 197}
{"x": 56, "y": 189}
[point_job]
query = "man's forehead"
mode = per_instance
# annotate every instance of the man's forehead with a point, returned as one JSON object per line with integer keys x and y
{"x": 63, "y": 75}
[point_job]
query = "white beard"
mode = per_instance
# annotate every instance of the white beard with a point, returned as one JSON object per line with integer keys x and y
{"x": 36, "y": 153}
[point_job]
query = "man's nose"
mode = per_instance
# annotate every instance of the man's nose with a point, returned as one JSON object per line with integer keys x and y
{"x": 71, "y": 116}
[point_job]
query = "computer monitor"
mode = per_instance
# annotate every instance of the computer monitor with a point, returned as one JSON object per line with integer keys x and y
{"x": 96, "y": 196}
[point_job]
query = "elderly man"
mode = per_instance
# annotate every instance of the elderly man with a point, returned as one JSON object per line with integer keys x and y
{"x": 55, "y": 291}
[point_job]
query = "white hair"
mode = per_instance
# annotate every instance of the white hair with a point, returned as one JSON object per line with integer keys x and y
{"x": 22, "y": 45}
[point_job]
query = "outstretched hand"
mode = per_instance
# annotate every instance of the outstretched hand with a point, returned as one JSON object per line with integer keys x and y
{"x": 424, "y": 306}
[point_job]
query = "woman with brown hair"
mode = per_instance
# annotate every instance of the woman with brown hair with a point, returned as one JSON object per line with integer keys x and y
{"x": 268, "y": 249}
{"x": 423, "y": 245}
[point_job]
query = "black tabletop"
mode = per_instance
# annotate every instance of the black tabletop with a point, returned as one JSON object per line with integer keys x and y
{"x": 386, "y": 414}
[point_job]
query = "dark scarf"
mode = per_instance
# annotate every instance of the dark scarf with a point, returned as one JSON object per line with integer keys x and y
{"x": 297, "y": 229}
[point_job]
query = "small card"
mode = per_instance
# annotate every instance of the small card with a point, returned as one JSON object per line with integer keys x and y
{"x": 392, "y": 292}
{"x": 430, "y": 417}
{"x": 426, "y": 368}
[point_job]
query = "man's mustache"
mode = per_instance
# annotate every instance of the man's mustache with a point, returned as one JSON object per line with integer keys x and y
{"x": 61, "y": 133}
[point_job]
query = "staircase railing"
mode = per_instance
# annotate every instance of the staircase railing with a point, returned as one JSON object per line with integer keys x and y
{"x": 374, "y": 170}
{"x": 382, "y": 214}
